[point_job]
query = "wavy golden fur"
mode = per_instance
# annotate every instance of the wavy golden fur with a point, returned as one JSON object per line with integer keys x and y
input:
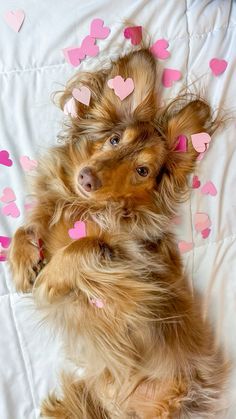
{"x": 146, "y": 353}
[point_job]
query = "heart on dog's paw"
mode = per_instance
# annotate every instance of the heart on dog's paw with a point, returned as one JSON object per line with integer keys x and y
{"x": 82, "y": 95}
{"x": 11, "y": 209}
{"x": 181, "y": 144}
{"x": 8, "y": 195}
{"x": 4, "y": 158}
{"x": 134, "y": 33}
{"x": 196, "y": 182}
{"x": 89, "y": 46}
{"x": 78, "y": 231}
{"x": 209, "y": 189}
{"x": 169, "y": 76}
{"x": 201, "y": 221}
{"x": 70, "y": 108}
{"x": 98, "y": 30}
{"x": 122, "y": 88}
{"x": 15, "y": 19}
{"x": 205, "y": 233}
{"x": 28, "y": 164}
{"x": 159, "y": 49}
{"x": 200, "y": 141}
{"x": 184, "y": 246}
{"x": 5, "y": 241}
{"x": 218, "y": 66}
{"x": 73, "y": 55}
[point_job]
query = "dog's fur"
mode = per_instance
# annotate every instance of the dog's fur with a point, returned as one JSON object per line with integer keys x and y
{"x": 147, "y": 353}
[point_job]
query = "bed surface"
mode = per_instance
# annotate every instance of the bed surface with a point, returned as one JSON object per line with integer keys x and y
{"x": 32, "y": 67}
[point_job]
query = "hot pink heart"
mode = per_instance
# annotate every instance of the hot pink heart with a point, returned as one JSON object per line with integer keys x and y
{"x": 83, "y": 95}
{"x": 159, "y": 49}
{"x": 122, "y": 88}
{"x": 78, "y": 231}
{"x": 70, "y": 108}
{"x": 205, "y": 233}
{"x": 11, "y": 209}
{"x": 201, "y": 221}
{"x": 8, "y": 195}
{"x": 169, "y": 76}
{"x": 3, "y": 256}
{"x": 196, "y": 182}
{"x": 200, "y": 141}
{"x": 15, "y": 19}
{"x": 97, "y": 30}
{"x": 209, "y": 189}
{"x": 28, "y": 164}
{"x": 218, "y": 66}
{"x": 5, "y": 241}
{"x": 134, "y": 33}
{"x": 185, "y": 247}
{"x": 181, "y": 144}
{"x": 4, "y": 158}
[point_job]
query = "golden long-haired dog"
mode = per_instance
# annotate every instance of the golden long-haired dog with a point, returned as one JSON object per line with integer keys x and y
{"x": 119, "y": 295}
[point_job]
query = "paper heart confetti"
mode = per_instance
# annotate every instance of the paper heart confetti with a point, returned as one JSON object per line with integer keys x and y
{"x": 82, "y": 95}
{"x": 5, "y": 241}
{"x": 159, "y": 49}
{"x": 122, "y": 88}
{"x": 209, "y": 189}
{"x": 185, "y": 247}
{"x": 200, "y": 141}
{"x": 196, "y": 182}
{"x": 28, "y": 164}
{"x": 74, "y": 55}
{"x": 3, "y": 256}
{"x": 98, "y": 302}
{"x": 4, "y": 158}
{"x": 78, "y": 231}
{"x": 15, "y": 19}
{"x": 205, "y": 233}
{"x": 169, "y": 76}
{"x": 98, "y": 30}
{"x": 201, "y": 221}
{"x": 8, "y": 195}
{"x": 11, "y": 209}
{"x": 70, "y": 108}
{"x": 218, "y": 66}
{"x": 177, "y": 220}
{"x": 134, "y": 33}
{"x": 181, "y": 145}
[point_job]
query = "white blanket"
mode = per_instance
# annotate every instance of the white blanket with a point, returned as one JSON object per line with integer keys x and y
{"x": 32, "y": 66}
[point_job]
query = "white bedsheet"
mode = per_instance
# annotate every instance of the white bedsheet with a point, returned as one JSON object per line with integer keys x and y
{"x": 32, "y": 66}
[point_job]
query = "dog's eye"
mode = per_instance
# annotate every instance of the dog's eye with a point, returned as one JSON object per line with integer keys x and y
{"x": 142, "y": 171}
{"x": 114, "y": 140}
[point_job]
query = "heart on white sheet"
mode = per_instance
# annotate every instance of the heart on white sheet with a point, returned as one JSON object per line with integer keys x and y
{"x": 28, "y": 164}
{"x": 15, "y": 19}
{"x": 200, "y": 141}
{"x": 82, "y": 95}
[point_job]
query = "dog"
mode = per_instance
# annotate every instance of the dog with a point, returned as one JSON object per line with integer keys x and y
{"x": 119, "y": 295}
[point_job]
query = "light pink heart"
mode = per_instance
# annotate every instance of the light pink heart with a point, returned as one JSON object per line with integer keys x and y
{"x": 98, "y": 302}
{"x": 181, "y": 145}
{"x": 83, "y": 95}
{"x": 15, "y": 19}
{"x": 70, "y": 108}
{"x": 200, "y": 141}
{"x": 169, "y": 76}
{"x": 98, "y": 30}
{"x": 205, "y": 233}
{"x": 159, "y": 49}
{"x": 8, "y": 195}
{"x": 5, "y": 241}
{"x": 78, "y": 231}
{"x": 177, "y": 220}
{"x": 134, "y": 33}
{"x": 209, "y": 189}
{"x": 4, "y": 158}
{"x": 11, "y": 209}
{"x": 122, "y": 88}
{"x": 218, "y": 66}
{"x": 196, "y": 182}
{"x": 28, "y": 164}
{"x": 185, "y": 247}
{"x": 201, "y": 221}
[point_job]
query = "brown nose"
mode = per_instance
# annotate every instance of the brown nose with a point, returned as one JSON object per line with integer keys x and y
{"x": 88, "y": 180}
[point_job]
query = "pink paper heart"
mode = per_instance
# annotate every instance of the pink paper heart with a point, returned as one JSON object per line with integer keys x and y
{"x": 169, "y": 76}
{"x": 209, "y": 189}
{"x": 185, "y": 247}
{"x": 122, "y": 88}
{"x": 200, "y": 141}
{"x": 181, "y": 145}
{"x": 28, "y": 164}
{"x": 11, "y": 209}
{"x": 196, "y": 182}
{"x": 177, "y": 220}
{"x": 8, "y": 195}
{"x": 4, "y": 158}
{"x": 159, "y": 49}
{"x": 218, "y": 66}
{"x": 98, "y": 302}
{"x": 3, "y": 256}
{"x": 97, "y": 30}
{"x": 78, "y": 231}
{"x": 201, "y": 221}
{"x": 5, "y": 241}
{"x": 205, "y": 233}
{"x": 70, "y": 108}
{"x": 73, "y": 55}
{"x": 134, "y": 33}
{"x": 15, "y": 19}
{"x": 89, "y": 47}
{"x": 83, "y": 95}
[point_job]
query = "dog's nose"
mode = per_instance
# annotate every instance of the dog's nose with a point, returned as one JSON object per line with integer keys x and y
{"x": 88, "y": 180}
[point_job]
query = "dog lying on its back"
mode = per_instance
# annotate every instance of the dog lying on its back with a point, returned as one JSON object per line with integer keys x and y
{"x": 119, "y": 295}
